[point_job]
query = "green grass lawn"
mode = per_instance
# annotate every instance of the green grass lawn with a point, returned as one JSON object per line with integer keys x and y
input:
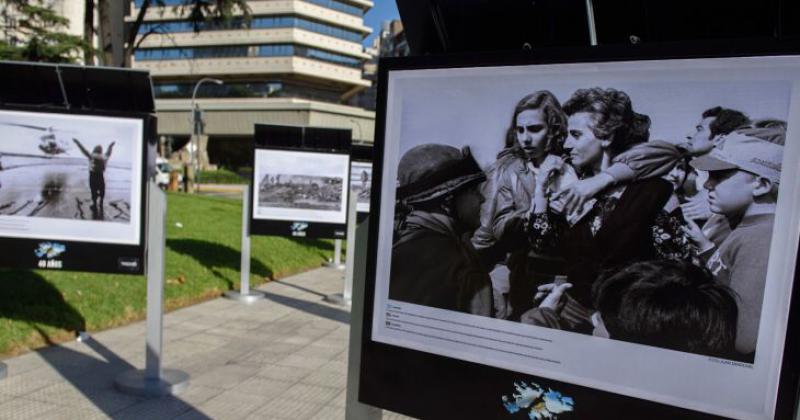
{"x": 41, "y": 307}
{"x": 224, "y": 176}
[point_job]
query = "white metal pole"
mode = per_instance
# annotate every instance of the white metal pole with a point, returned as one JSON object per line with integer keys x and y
{"x": 244, "y": 276}
{"x": 245, "y": 294}
{"x": 590, "y": 20}
{"x": 337, "y": 256}
{"x": 337, "y": 252}
{"x": 154, "y": 380}
{"x": 155, "y": 280}
{"x": 347, "y": 294}
{"x": 355, "y": 410}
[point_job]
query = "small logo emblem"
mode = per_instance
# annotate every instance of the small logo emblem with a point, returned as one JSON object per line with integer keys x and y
{"x": 299, "y": 228}
{"x": 128, "y": 264}
{"x": 541, "y": 404}
{"x": 47, "y": 252}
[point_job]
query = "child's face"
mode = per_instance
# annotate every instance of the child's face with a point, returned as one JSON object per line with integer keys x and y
{"x": 676, "y": 176}
{"x": 730, "y": 192}
{"x": 531, "y": 132}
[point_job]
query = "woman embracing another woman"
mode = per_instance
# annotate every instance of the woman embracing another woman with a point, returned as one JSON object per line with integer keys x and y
{"x": 531, "y": 156}
{"x": 626, "y": 223}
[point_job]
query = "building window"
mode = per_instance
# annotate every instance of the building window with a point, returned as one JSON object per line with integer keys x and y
{"x": 138, "y": 3}
{"x": 258, "y": 22}
{"x": 264, "y": 50}
{"x": 245, "y": 89}
{"x": 330, "y": 4}
{"x": 339, "y": 6}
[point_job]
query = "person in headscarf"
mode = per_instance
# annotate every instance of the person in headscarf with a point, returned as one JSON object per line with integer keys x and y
{"x": 438, "y": 208}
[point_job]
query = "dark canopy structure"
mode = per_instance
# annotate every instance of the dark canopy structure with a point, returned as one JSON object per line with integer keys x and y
{"x": 453, "y": 26}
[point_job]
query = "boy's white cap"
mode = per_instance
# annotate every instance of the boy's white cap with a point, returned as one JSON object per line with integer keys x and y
{"x": 746, "y": 153}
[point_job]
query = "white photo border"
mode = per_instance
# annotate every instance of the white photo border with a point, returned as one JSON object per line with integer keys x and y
{"x": 102, "y": 232}
{"x": 717, "y": 387}
{"x": 295, "y": 214}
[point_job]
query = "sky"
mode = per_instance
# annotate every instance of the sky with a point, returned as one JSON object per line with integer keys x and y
{"x": 474, "y": 106}
{"x": 89, "y": 130}
{"x": 383, "y": 10}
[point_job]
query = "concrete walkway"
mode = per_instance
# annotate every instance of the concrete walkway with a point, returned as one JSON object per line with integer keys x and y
{"x": 282, "y": 358}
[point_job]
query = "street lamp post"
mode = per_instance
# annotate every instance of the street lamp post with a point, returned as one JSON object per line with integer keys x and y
{"x": 196, "y": 130}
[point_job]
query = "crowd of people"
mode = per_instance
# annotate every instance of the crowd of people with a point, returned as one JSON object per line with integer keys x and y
{"x": 301, "y": 190}
{"x": 585, "y": 224}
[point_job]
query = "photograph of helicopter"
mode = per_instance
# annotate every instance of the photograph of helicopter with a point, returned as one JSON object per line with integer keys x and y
{"x": 53, "y": 168}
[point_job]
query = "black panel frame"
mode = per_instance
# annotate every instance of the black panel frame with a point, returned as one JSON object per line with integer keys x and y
{"x": 88, "y": 256}
{"x": 431, "y": 386}
{"x": 299, "y": 139}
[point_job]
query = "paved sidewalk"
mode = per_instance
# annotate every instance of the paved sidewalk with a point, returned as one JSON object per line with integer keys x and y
{"x": 282, "y": 358}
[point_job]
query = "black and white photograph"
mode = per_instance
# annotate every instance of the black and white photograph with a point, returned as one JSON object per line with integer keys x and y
{"x": 300, "y": 191}
{"x": 60, "y": 174}
{"x": 361, "y": 184}
{"x": 305, "y": 186}
{"x": 625, "y": 212}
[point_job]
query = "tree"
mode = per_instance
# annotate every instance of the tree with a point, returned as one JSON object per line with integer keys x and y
{"x": 198, "y": 12}
{"x": 88, "y": 31}
{"x": 34, "y": 32}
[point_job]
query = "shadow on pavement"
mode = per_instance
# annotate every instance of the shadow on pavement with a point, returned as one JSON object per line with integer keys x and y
{"x": 305, "y": 289}
{"x": 26, "y": 296}
{"x": 317, "y": 309}
{"x": 94, "y": 378}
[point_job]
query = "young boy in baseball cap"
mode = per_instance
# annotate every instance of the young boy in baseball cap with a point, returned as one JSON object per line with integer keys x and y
{"x": 744, "y": 174}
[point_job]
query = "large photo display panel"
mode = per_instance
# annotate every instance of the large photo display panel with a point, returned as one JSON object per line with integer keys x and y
{"x": 361, "y": 184}
{"x": 307, "y": 186}
{"x": 627, "y": 221}
{"x": 68, "y": 184}
{"x": 300, "y": 184}
{"x": 70, "y": 177}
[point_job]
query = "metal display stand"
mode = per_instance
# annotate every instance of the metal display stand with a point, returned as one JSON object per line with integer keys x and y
{"x": 355, "y": 410}
{"x": 245, "y": 294}
{"x": 590, "y": 21}
{"x": 153, "y": 380}
{"x": 345, "y": 298}
{"x": 337, "y": 256}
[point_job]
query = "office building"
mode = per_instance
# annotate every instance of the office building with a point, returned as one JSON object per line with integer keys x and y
{"x": 295, "y": 62}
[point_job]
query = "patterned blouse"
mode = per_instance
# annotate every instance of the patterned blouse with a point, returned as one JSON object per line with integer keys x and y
{"x": 669, "y": 240}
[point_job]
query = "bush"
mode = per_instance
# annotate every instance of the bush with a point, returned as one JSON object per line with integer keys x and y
{"x": 222, "y": 176}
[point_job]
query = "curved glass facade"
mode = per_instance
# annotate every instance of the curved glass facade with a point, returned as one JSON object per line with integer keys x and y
{"x": 258, "y": 22}
{"x": 340, "y": 6}
{"x": 330, "y": 4}
{"x": 263, "y": 50}
{"x": 244, "y": 89}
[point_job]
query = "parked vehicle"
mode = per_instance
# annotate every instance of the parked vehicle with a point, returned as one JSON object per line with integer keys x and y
{"x": 163, "y": 173}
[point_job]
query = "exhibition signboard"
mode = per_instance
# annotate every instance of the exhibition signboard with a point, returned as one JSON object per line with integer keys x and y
{"x": 300, "y": 179}
{"x": 360, "y": 184}
{"x": 361, "y": 179}
{"x": 71, "y": 183}
{"x": 502, "y": 287}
